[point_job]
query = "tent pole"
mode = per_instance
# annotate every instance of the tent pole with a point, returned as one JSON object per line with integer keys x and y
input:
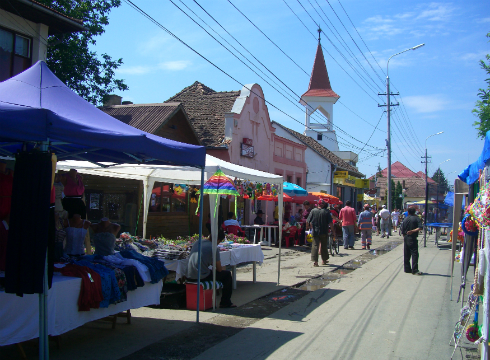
{"x": 280, "y": 205}
{"x": 200, "y": 246}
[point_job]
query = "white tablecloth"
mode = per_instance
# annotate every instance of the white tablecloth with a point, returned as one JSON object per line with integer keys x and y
{"x": 19, "y": 316}
{"x": 233, "y": 257}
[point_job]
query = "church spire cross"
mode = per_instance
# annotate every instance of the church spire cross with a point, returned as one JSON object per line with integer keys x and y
{"x": 319, "y": 32}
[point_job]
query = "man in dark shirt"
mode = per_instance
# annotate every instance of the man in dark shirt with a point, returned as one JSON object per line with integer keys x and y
{"x": 258, "y": 219}
{"x": 222, "y": 275}
{"x": 319, "y": 221}
{"x": 410, "y": 229}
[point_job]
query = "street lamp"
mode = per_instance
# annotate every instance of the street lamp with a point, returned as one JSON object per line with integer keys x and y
{"x": 388, "y": 141}
{"x": 426, "y": 186}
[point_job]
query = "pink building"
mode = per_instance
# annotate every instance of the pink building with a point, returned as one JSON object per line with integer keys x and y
{"x": 235, "y": 126}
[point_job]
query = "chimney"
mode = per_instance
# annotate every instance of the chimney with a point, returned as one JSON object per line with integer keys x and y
{"x": 110, "y": 100}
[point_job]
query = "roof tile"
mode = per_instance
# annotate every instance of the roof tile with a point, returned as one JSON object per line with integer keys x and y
{"x": 206, "y": 109}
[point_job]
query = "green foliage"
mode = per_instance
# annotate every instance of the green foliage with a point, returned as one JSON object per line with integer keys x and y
{"x": 482, "y": 109}
{"x": 441, "y": 180}
{"x": 69, "y": 57}
{"x": 398, "y": 199}
{"x": 379, "y": 172}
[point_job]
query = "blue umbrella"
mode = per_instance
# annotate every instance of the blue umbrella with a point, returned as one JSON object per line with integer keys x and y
{"x": 293, "y": 189}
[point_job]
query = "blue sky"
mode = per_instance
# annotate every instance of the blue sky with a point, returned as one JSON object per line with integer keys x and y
{"x": 438, "y": 83}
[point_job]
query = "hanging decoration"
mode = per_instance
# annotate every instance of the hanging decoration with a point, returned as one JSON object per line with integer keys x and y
{"x": 218, "y": 184}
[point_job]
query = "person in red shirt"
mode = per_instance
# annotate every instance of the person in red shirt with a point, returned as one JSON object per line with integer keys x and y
{"x": 348, "y": 217}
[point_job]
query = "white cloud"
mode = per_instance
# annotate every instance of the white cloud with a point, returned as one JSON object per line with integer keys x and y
{"x": 174, "y": 65}
{"x": 484, "y": 20}
{"x": 153, "y": 44}
{"x": 474, "y": 56}
{"x": 426, "y": 103}
{"x": 437, "y": 12}
{"x": 145, "y": 69}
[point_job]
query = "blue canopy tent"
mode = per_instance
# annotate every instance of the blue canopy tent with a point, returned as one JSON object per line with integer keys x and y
{"x": 472, "y": 171}
{"x": 37, "y": 109}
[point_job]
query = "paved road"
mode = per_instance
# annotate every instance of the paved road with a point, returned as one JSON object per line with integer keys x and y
{"x": 375, "y": 312}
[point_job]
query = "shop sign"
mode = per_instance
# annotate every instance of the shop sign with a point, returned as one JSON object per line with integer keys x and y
{"x": 350, "y": 182}
{"x": 362, "y": 183}
{"x": 248, "y": 141}
{"x": 340, "y": 174}
{"x": 360, "y": 197}
{"x": 247, "y": 150}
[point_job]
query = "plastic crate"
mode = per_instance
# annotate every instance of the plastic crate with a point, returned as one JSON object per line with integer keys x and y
{"x": 205, "y": 297}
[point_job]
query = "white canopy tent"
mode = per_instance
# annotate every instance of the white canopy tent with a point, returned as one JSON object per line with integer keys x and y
{"x": 182, "y": 175}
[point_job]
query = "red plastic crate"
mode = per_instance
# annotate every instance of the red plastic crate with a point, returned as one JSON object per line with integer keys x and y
{"x": 205, "y": 297}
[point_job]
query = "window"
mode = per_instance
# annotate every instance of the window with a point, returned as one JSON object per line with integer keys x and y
{"x": 289, "y": 179}
{"x": 319, "y": 137}
{"x": 15, "y": 54}
{"x": 298, "y": 181}
{"x": 167, "y": 198}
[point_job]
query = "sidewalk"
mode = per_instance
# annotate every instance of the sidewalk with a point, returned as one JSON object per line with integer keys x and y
{"x": 375, "y": 312}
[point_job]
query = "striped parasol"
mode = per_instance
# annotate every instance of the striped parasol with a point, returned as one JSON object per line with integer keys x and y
{"x": 219, "y": 184}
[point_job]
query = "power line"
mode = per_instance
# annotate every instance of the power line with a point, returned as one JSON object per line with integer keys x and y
{"x": 294, "y": 103}
{"x": 142, "y": 12}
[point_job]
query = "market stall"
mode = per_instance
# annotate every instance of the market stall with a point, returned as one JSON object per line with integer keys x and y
{"x": 39, "y": 115}
{"x": 474, "y": 183}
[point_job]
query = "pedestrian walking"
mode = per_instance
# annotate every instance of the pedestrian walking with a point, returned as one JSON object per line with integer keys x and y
{"x": 318, "y": 221}
{"x": 385, "y": 222}
{"x": 348, "y": 217}
{"x": 365, "y": 226}
{"x": 394, "y": 217}
{"x": 411, "y": 226}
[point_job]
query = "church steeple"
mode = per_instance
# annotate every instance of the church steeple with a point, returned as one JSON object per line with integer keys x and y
{"x": 319, "y": 80}
{"x": 320, "y": 96}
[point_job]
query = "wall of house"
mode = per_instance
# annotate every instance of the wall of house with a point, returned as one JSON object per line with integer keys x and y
{"x": 250, "y": 119}
{"x": 319, "y": 169}
{"x": 178, "y": 128}
{"x": 38, "y": 33}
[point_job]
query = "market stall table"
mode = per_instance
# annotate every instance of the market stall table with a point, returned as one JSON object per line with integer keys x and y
{"x": 20, "y": 315}
{"x": 233, "y": 257}
{"x": 261, "y": 228}
{"x": 438, "y": 227}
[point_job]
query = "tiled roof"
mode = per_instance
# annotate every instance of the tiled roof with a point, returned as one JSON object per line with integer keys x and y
{"x": 322, "y": 151}
{"x": 146, "y": 117}
{"x": 422, "y": 175}
{"x": 398, "y": 170}
{"x": 414, "y": 185}
{"x": 58, "y": 23}
{"x": 319, "y": 81}
{"x": 206, "y": 109}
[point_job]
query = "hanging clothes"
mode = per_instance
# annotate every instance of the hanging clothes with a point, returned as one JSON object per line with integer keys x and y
{"x": 72, "y": 202}
{"x": 6, "y": 182}
{"x": 91, "y": 290}
{"x": 28, "y": 241}
{"x": 75, "y": 240}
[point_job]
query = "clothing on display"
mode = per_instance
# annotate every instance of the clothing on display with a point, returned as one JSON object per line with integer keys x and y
{"x": 156, "y": 267}
{"x": 74, "y": 205}
{"x": 104, "y": 243}
{"x": 75, "y": 239}
{"x": 6, "y": 182}
{"x": 4, "y": 232}
{"x": 91, "y": 289}
{"x": 29, "y": 232}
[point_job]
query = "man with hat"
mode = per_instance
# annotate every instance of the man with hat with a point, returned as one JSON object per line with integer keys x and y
{"x": 258, "y": 219}
{"x": 365, "y": 226}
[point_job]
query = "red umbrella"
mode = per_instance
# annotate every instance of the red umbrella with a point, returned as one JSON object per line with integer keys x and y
{"x": 285, "y": 198}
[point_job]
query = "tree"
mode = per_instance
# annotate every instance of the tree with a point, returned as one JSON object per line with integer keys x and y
{"x": 439, "y": 178}
{"x": 379, "y": 172}
{"x": 398, "y": 198}
{"x": 482, "y": 109}
{"x": 69, "y": 57}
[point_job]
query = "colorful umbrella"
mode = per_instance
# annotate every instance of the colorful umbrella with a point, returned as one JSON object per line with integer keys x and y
{"x": 293, "y": 189}
{"x": 285, "y": 197}
{"x": 219, "y": 184}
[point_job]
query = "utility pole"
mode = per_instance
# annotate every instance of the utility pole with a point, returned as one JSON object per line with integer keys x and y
{"x": 426, "y": 194}
{"x": 388, "y": 145}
